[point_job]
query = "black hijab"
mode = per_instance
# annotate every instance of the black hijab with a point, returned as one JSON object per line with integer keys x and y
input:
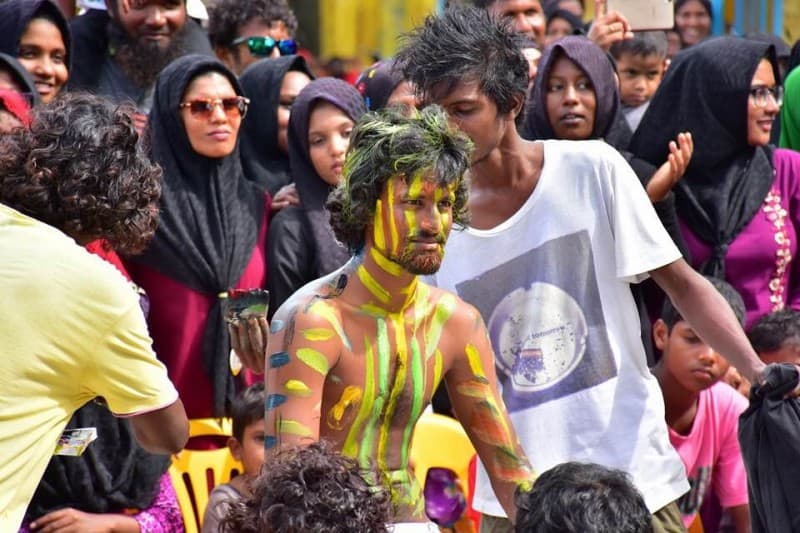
{"x": 15, "y": 15}
{"x": 598, "y": 68}
{"x": 377, "y": 83}
{"x": 21, "y": 76}
{"x": 113, "y": 474}
{"x": 263, "y": 161}
{"x": 210, "y": 214}
{"x": 705, "y": 91}
{"x": 312, "y": 190}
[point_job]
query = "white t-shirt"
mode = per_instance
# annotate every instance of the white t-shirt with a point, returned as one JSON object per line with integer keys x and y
{"x": 551, "y": 282}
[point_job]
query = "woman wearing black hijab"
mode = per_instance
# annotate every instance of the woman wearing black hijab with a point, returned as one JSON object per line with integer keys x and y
{"x": 36, "y": 33}
{"x": 13, "y": 76}
{"x": 272, "y": 85}
{"x": 211, "y": 232}
{"x": 382, "y": 84}
{"x": 739, "y": 201}
{"x": 301, "y": 245}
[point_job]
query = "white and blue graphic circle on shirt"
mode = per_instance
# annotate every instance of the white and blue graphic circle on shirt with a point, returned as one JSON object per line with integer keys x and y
{"x": 538, "y": 350}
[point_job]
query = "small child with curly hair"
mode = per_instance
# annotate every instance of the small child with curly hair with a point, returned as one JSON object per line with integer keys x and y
{"x": 311, "y": 488}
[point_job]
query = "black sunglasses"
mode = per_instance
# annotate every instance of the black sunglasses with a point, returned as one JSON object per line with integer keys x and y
{"x": 205, "y": 108}
{"x": 263, "y": 46}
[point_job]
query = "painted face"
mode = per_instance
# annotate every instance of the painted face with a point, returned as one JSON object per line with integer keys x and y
{"x": 251, "y": 449}
{"x": 403, "y": 94}
{"x": 412, "y": 221}
{"x": 556, "y": 29}
{"x": 242, "y": 58}
{"x": 43, "y": 54}
{"x": 293, "y": 82}
{"x": 639, "y": 77}
{"x": 570, "y": 101}
{"x": 687, "y": 358}
{"x": 153, "y": 21}
{"x": 693, "y": 22}
{"x": 762, "y": 108}
{"x": 474, "y": 113}
{"x": 329, "y": 131}
{"x": 526, "y": 16}
{"x": 211, "y": 135}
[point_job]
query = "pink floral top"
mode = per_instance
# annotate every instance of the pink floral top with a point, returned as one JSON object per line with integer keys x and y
{"x": 163, "y": 515}
{"x": 761, "y": 262}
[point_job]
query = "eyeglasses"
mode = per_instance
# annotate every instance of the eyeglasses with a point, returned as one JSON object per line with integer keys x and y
{"x": 761, "y": 95}
{"x": 233, "y": 107}
{"x": 263, "y": 46}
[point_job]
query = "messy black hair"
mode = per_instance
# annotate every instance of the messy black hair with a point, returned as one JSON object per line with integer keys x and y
{"x": 671, "y": 316}
{"x": 396, "y": 142}
{"x": 582, "y": 498}
{"x": 80, "y": 169}
{"x": 247, "y": 407}
{"x": 311, "y": 488}
{"x": 227, "y": 16}
{"x": 465, "y": 44}
{"x": 771, "y": 332}
{"x": 644, "y": 43}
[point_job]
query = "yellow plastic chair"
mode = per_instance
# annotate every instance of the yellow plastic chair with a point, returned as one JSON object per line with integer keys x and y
{"x": 440, "y": 441}
{"x": 194, "y": 473}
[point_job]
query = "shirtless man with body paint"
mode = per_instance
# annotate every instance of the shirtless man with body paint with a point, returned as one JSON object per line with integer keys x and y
{"x": 355, "y": 356}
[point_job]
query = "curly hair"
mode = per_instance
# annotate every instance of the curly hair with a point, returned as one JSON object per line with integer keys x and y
{"x": 310, "y": 489}
{"x": 582, "y": 498}
{"x": 465, "y": 44}
{"x": 79, "y": 168}
{"x": 390, "y": 143}
{"x": 227, "y": 16}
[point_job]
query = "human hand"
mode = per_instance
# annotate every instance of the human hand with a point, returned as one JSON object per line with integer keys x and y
{"x": 250, "y": 340}
{"x": 71, "y": 520}
{"x": 286, "y": 196}
{"x": 608, "y": 27}
{"x": 673, "y": 168}
{"x": 139, "y": 122}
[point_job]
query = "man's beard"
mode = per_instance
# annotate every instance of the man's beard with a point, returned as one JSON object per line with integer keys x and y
{"x": 143, "y": 61}
{"x": 419, "y": 262}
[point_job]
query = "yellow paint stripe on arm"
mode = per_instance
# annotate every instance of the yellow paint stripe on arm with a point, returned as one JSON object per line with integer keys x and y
{"x": 295, "y": 387}
{"x": 314, "y": 360}
{"x": 293, "y": 427}
{"x": 475, "y": 363}
{"x": 318, "y": 334}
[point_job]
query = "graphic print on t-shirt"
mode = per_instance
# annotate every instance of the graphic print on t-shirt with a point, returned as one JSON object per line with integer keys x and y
{"x": 691, "y": 502}
{"x": 545, "y": 321}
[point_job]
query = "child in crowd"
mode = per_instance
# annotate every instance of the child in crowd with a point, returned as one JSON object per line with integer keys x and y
{"x": 702, "y": 413}
{"x": 311, "y": 488}
{"x": 776, "y": 337}
{"x": 582, "y": 498}
{"x": 247, "y": 446}
{"x": 641, "y": 63}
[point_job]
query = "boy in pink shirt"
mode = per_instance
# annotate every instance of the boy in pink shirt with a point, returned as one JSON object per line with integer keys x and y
{"x": 703, "y": 413}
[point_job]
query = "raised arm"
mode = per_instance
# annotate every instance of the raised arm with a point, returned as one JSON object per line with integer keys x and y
{"x": 305, "y": 346}
{"x": 472, "y": 385}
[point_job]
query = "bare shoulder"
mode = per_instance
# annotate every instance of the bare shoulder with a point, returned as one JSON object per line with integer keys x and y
{"x": 312, "y": 313}
{"x": 460, "y": 315}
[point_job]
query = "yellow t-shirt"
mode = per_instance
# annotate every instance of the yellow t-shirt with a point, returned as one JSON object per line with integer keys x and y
{"x": 70, "y": 329}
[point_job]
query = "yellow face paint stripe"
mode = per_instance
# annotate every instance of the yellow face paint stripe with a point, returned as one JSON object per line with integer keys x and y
{"x": 373, "y": 286}
{"x": 378, "y": 231}
{"x": 392, "y": 226}
{"x": 314, "y": 360}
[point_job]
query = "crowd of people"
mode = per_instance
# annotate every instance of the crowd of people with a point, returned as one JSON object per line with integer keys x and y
{"x": 577, "y": 239}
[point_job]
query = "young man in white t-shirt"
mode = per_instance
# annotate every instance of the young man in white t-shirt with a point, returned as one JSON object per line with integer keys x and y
{"x": 559, "y": 230}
